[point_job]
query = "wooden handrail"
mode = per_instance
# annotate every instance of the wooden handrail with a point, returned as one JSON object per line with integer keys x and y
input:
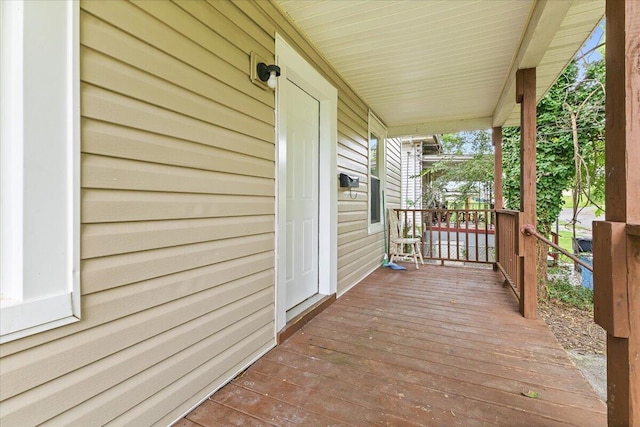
{"x": 530, "y": 230}
{"x": 507, "y": 212}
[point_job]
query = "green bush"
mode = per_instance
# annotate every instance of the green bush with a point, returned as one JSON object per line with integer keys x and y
{"x": 561, "y": 289}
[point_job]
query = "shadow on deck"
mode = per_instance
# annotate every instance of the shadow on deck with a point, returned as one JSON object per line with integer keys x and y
{"x": 439, "y": 346}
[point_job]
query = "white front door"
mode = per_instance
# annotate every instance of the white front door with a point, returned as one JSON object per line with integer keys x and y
{"x": 303, "y": 120}
{"x": 307, "y": 186}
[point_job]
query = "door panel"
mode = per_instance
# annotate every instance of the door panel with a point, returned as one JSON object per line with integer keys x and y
{"x": 303, "y": 120}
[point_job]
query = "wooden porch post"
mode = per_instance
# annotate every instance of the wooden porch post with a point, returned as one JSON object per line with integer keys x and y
{"x": 526, "y": 97}
{"x": 496, "y": 138}
{"x": 617, "y": 239}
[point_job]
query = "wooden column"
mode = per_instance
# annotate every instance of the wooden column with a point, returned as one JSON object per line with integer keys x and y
{"x": 526, "y": 97}
{"x": 617, "y": 239}
{"x": 496, "y": 138}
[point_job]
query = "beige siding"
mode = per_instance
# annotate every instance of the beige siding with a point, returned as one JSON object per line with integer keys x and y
{"x": 178, "y": 205}
{"x": 178, "y": 215}
{"x": 394, "y": 173}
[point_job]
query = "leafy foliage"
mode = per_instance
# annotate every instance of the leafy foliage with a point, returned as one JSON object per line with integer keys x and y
{"x": 531, "y": 394}
{"x": 570, "y": 150}
{"x": 559, "y": 155}
{"x": 561, "y": 289}
{"x": 468, "y": 176}
{"x": 590, "y": 133}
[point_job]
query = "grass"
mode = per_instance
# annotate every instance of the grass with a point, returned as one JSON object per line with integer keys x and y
{"x": 561, "y": 289}
{"x": 565, "y": 236}
{"x": 567, "y": 199}
{"x": 564, "y": 240}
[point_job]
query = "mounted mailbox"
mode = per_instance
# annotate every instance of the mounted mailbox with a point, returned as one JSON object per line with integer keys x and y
{"x": 347, "y": 181}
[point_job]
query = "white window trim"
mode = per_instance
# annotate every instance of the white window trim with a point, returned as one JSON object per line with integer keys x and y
{"x": 39, "y": 167}
{"x": 376, "y": 126}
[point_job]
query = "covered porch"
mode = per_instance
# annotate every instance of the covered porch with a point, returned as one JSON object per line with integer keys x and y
{"x": 434, "y": 346}
{"x": 443, "y": 346}
{"x": 178, "y": 231}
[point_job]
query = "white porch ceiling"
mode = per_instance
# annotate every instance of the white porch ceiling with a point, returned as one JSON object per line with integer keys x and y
{"x": 427, "y": 66}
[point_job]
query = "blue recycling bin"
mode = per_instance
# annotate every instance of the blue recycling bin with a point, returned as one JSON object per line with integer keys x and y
{"x": 587, "y": 276}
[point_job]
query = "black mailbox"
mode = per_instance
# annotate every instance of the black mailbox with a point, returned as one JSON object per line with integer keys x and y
{"x": 347, "y": 181}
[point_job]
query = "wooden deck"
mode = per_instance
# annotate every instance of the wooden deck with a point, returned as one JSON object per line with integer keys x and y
{"x": 440, "y": 346}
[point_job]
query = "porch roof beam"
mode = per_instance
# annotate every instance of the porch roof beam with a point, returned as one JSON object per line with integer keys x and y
{"x": 544, "y": 21}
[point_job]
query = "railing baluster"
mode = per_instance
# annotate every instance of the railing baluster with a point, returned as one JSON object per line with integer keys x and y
{"x": 457, "y": 235}
{"x": 444, "y": 225}
{"x": 439, "y": 234}
{"x": 466, "y": 234}
{"x": 449, "y": 216}
{"x": 486, "y": 236}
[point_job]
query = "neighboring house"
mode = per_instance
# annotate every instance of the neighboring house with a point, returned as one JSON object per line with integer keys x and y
{"x": 164, "y": 216}
{"x": 413, "y": 150}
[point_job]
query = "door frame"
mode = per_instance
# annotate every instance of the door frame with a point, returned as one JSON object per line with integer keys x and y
{"x": 294, "y": 68}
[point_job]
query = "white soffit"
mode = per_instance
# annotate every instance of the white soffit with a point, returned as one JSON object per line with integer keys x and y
{"x": 440, "y": 66}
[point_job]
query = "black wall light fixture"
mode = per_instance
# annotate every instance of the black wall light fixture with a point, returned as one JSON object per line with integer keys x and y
{"x": 262, "y": 74}
{"x": 268, "y": 73}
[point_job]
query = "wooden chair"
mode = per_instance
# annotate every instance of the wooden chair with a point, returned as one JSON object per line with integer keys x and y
{"x": 398, "y": 243}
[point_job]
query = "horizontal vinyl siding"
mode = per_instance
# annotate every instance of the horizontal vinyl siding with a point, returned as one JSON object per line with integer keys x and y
{"x": 358, "y": 252}
{"x": 411, "y": 176}
{"x": 178, "y": 215}
{"x": 178, "y": 222}
{"x": 394, "y": 173}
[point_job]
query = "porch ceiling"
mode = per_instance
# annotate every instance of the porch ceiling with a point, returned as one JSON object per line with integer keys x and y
{"x": 443, "y": 66}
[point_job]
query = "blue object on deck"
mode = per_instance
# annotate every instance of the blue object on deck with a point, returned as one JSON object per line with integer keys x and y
{"x": 394, "y": 266}
{"x": 587, "y": 276}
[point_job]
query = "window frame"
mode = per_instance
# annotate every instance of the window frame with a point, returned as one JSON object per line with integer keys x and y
{"x": 376, "y": 127}
{"x": 40, "y": 168}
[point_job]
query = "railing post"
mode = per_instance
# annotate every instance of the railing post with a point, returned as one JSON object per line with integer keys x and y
{"x": 496, "y": 237}
{"x": 526, "y": 97}
{"x": 616, "y": 251}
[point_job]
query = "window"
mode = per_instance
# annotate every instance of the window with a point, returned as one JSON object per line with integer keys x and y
{"x": 39, "y": 166}
{"x": 377, "y": 172}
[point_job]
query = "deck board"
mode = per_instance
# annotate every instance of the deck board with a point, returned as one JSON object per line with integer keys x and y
{"x": 439, "y": 346}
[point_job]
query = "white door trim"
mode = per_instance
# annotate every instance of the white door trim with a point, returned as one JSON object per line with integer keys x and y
{"x": 300, "y": 72}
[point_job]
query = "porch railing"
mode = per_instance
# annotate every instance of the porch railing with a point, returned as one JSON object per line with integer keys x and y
{"x": 475, "y": 235}
{"x": 530, "y": 230}
{"x": 510, "y": 230}
{"x": 464, "y": 235}
{"x": 509, "y": 250}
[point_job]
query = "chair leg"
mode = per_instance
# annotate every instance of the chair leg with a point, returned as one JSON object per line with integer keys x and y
{"x": 419, "y": 253}
{"x": 414, "y": 255}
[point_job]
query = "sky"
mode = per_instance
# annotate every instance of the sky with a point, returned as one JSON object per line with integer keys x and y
{"x": 596, "y": 38}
